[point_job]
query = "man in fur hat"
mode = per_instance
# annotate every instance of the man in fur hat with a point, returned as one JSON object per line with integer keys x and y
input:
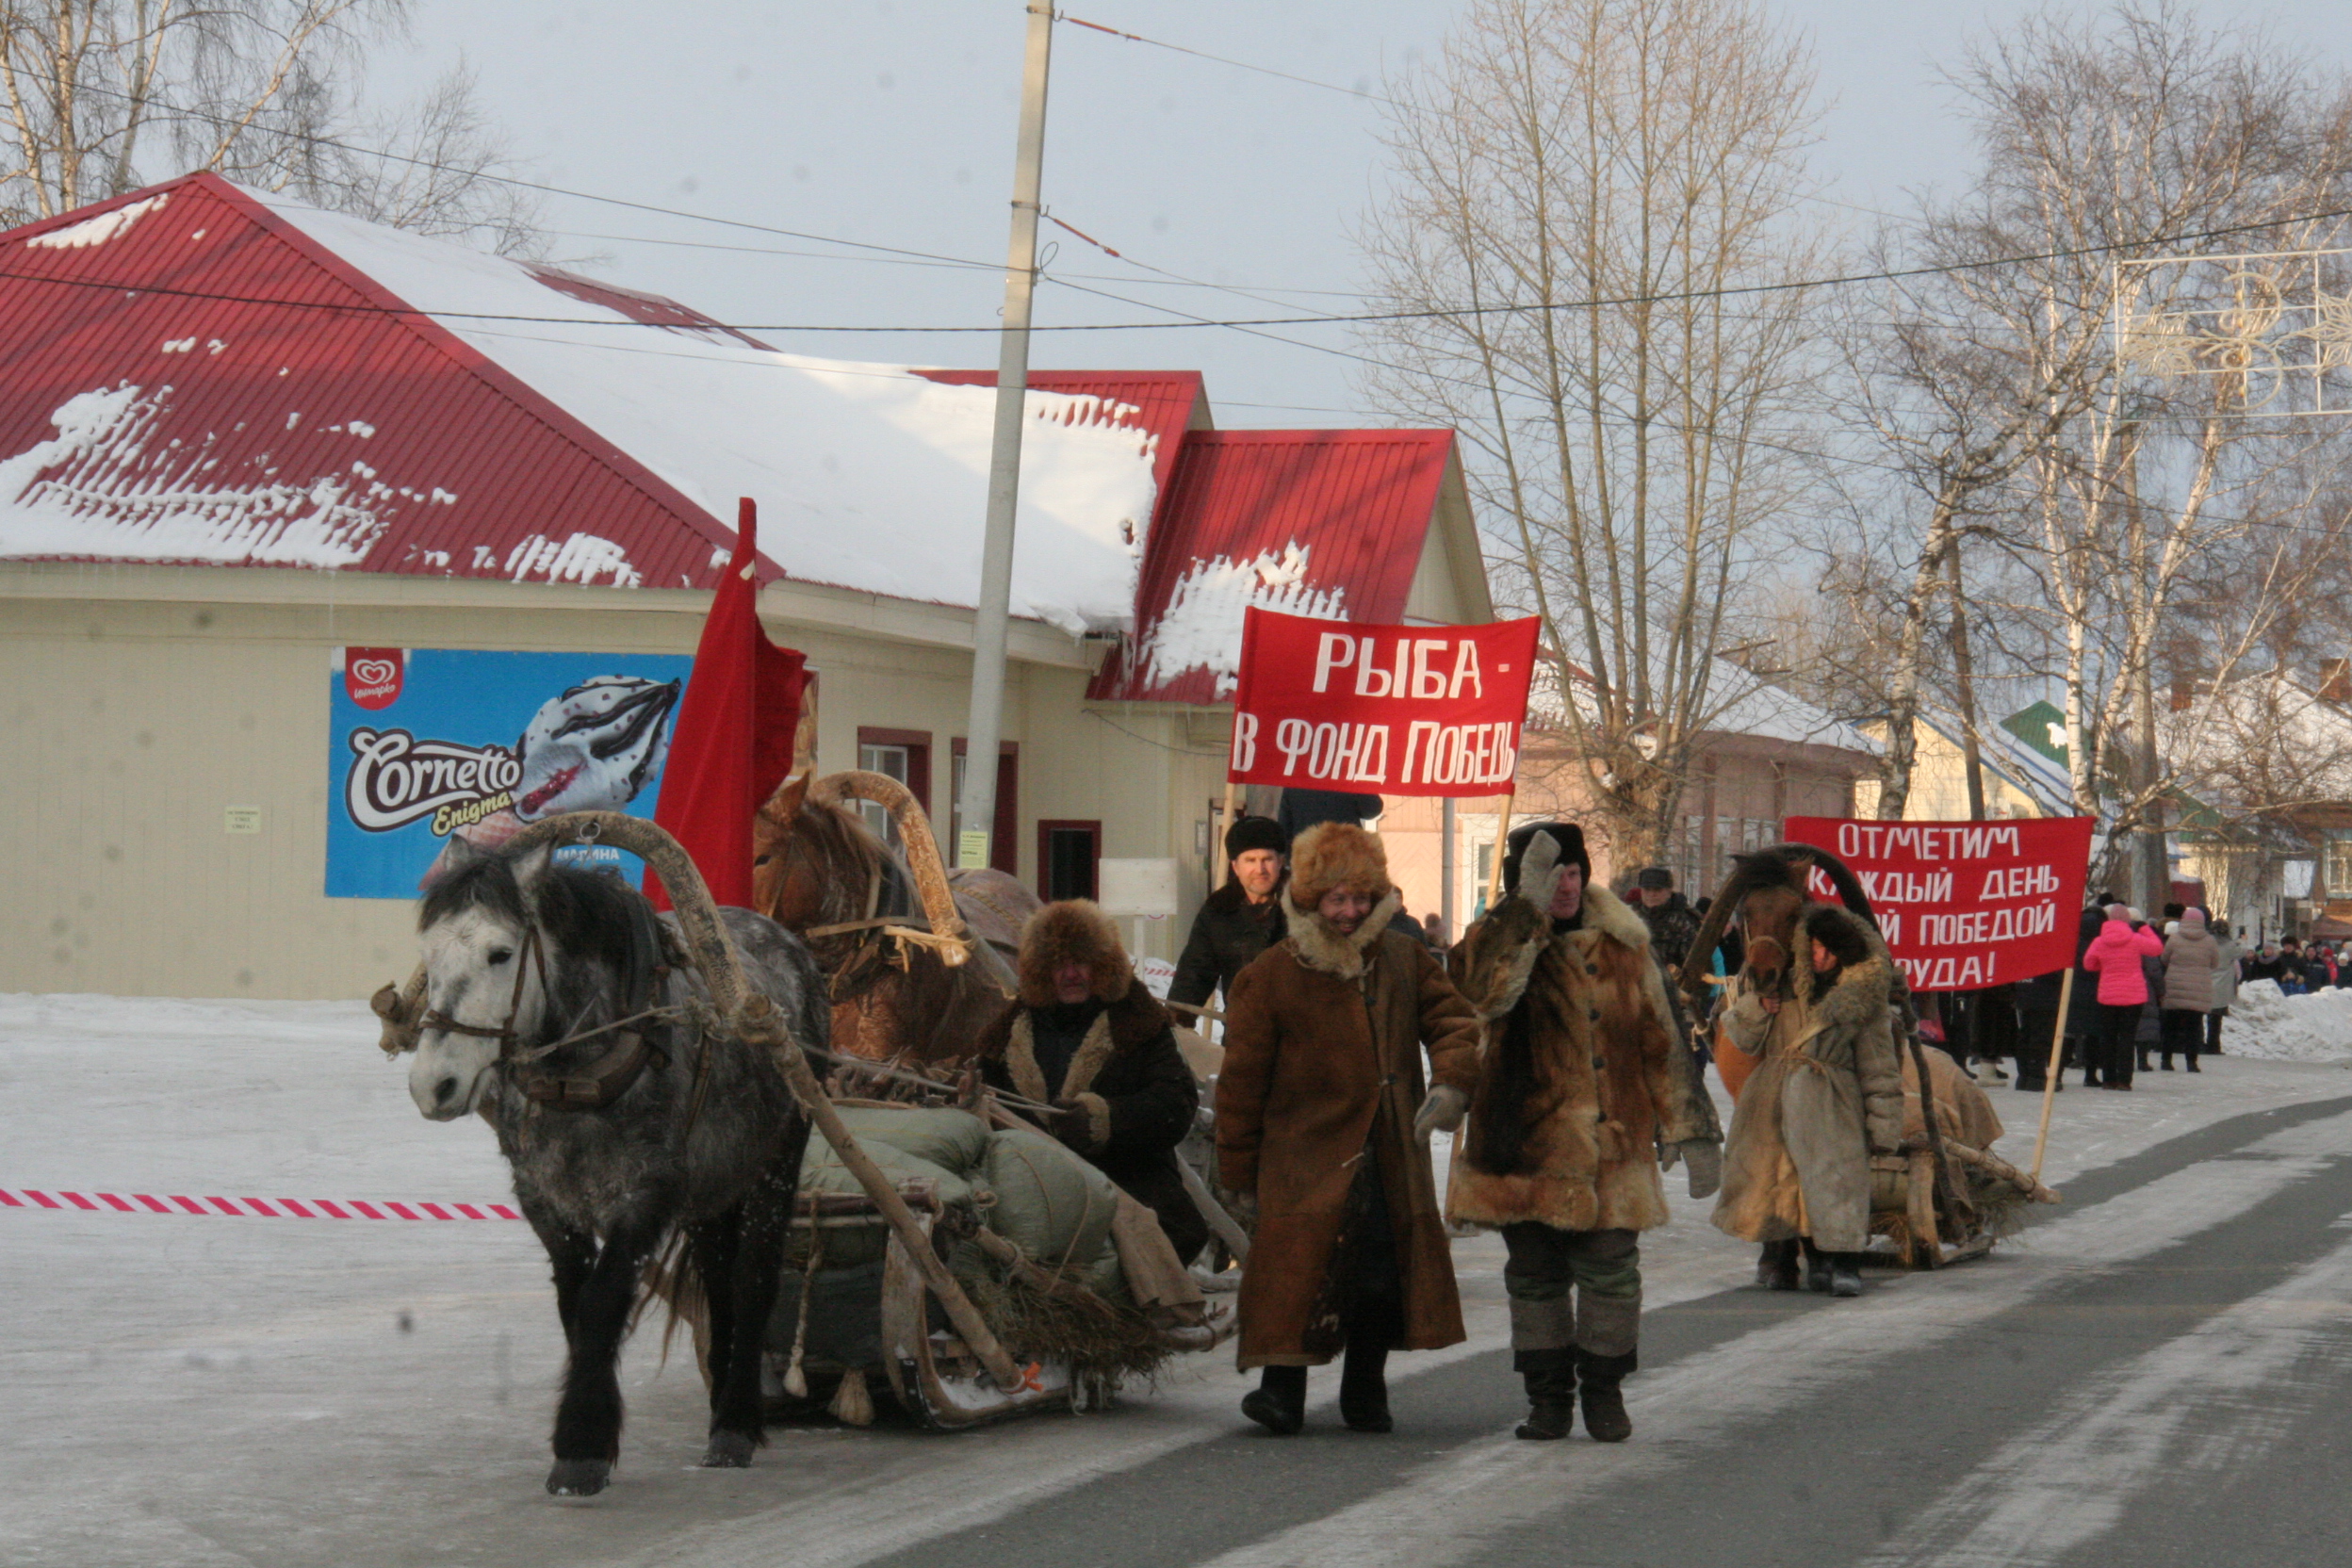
{"x": 1583, "y": 1083}
{"x": 1240, "y": 920}
{"x": 1087, "y": 1038}
{"x": 1826, "y": 1096}
{"x": 1314, "y": 1117}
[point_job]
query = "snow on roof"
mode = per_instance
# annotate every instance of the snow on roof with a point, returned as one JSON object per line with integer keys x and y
{"x": 586, "y": 448}
{"x": 869, "y": 476}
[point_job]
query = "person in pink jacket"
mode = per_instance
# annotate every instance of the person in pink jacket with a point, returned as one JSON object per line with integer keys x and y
{"x": 2114, "y": 957}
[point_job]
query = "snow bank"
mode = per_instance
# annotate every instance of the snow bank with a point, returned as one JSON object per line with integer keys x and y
{"x": 2267, "y": 1024}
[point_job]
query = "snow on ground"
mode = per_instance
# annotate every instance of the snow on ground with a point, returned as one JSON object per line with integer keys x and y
{"x": 2267, "y": 1023}
{"x": 216, "y": 1391}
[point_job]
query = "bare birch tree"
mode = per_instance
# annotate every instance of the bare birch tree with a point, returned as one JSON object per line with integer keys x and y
{"x": 104, "y": 96}
{"x": 1595, "y": 215}
{"x": 2133, "y": 134}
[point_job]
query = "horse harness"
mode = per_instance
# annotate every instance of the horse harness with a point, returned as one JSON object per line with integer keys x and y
{"x": 611, "y": 1075}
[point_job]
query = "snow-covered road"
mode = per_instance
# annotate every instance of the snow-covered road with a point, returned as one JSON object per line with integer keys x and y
{"x": 207, "y": 1390}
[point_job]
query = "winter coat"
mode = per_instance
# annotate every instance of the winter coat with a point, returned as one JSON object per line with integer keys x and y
{"x": 1672, "y": 926}
{"x": 2191, "y": 960}
{"x": 1827, "y": 1095}
{"x": 2115, "y": 957}
{"x": 1127, "y": 1076}
{"x": 1582, "y": 1061}
{"x": 1227, "y": 934}
{"x": 1323, "y": 1042}
{"x": 2151, "y": 1026}
{"x": 2226, "y": 953}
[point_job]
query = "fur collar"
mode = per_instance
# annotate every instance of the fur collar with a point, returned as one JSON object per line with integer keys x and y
{"x": 1134, "y": 1019}
{"x": 1320, "y": 946}
{"x": 1605, "y": 915}
{"x": 1862, "y": 994}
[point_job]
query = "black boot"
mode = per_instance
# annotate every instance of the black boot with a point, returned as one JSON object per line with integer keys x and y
{"x": 1364, "y": 1386}
{"x": 1777, "y": 1267}
{"x": 1817, "y": 1268}
{"x": 1605, "y": 1417}
{"x": 1279, "y": 1403}
{"x": 1845, "y": 1274}
{"x": 1551, "y": 1380}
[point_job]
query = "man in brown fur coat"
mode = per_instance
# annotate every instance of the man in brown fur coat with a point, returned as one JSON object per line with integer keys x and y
{"x": 1583, "y": 1082}
{"x": 1323, "y": 1038}
{"x": 1087, "y": 1038}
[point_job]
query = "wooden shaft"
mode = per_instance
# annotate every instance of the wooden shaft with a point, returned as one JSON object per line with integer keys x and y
{"x": 758, "y": 1022}
{"x": 1227, "y": 1227}
{"x": 1224, "y": 861}
{"x": 1994, "y": 1165}
{"x": 1502, "y": 837}
{"x": 2050, "y": 1073}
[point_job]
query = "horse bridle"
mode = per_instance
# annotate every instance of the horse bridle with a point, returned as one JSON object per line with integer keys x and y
{"x": 609, "y": 1078}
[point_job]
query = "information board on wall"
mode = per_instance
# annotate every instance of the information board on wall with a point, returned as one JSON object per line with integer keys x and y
{"x": 1963, "y": 904}
{"x": 427, "y": 745}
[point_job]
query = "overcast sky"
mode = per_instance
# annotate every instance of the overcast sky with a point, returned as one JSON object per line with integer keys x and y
{"x": 892, "y": 123}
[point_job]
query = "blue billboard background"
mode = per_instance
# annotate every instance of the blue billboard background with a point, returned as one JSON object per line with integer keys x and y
{"x": 427, "y": 745}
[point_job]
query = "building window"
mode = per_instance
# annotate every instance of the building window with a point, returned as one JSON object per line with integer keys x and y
{"x": 901, "y": 754}
{"x": 1066, "y": 853}
{"x": 2339, "y": 868}
{"x": 1003, "y": 847}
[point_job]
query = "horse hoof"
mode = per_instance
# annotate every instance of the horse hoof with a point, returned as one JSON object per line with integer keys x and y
{"x": 579, "y": 1477}
{"x": 727, "y": 1451}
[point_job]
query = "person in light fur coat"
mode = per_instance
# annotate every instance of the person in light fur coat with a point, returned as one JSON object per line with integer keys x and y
{"x": 1583, "y": 1085}
{"x": 1826, "y": 1096}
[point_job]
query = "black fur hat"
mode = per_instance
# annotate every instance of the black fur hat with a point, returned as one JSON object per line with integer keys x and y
{"x": 1249, "y": 833}
{"x": 1566, "y": 834}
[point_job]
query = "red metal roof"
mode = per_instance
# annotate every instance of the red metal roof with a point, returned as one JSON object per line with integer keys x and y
{"x": 270, "y": 405}
{"x": 1356, "y": 505}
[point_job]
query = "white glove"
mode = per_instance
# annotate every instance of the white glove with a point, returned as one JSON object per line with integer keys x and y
{"x": 1539, "y": 871}
{"x": 1707, "y": 1166}
{"x": 1441, "y": 1112}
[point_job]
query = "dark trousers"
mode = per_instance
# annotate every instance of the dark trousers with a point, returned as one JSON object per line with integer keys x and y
{"x": 2213, "y": 1029}
{"x": 2185, "y": 1030}
{"x": 1573, "y": 1288}
{"x": 2116, "y": 1049}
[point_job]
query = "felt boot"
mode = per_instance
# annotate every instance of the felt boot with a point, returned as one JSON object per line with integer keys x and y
{"x": 1551, "y": 1380}
{"x": 1364, "y": 1384}
{"x": 1279, "y": 1403}
{"x": 1605, "y": 1417}
{"x": 1845, "y": 1274}
{"x": 1777, "y": 1268}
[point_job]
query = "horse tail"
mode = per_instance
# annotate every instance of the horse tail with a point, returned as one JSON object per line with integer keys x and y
{"x": 669, "y": 1277}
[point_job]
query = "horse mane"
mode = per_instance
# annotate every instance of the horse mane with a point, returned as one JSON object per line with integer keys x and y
{"x": 587, "y": 915}
{"x": 1780, "y": 865}
{"x": 840, "y": 838}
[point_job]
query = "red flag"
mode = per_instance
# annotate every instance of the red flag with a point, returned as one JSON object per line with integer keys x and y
{"x": 733, "y": 745}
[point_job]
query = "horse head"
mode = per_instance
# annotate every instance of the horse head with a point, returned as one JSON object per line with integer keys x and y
{"x": 1766, "y": 890}
{"x": 512, "y": 945}
{"x": 816, "y": 864}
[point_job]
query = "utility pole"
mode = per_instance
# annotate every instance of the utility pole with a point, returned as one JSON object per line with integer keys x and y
{"x": 976, "y": 802}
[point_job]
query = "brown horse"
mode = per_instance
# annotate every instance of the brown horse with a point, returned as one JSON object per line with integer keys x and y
{"x": 917, "y": 957}
{"x": 1766, "y": 890}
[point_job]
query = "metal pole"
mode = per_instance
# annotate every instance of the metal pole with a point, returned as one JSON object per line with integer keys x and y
{"x": 984, "y": 730}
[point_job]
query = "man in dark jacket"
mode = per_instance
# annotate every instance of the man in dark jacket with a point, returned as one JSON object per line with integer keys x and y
{"x": 1087, "y": 1039}
{"x": 1672, "y": 921}
{"x": 1240, "y": 920}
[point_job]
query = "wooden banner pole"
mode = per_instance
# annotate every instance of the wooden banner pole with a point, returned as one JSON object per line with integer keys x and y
{"x": 1502, "y": 841}
{"x": 2051, "y": 1071}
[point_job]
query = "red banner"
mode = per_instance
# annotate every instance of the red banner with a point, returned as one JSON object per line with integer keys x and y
{"x": 1964, "y": 904}
{"x": 1380, "y": 709}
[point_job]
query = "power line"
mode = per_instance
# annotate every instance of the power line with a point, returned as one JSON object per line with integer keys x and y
{"x": 1220, "y": 59}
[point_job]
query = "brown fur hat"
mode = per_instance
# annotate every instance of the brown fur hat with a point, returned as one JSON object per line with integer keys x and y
{"x": 1332, "y": 852}
{"x": 1073, "y": 931}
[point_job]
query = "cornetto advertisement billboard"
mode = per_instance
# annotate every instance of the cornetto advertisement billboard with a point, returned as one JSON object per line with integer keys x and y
{"x": 430, "y": 744}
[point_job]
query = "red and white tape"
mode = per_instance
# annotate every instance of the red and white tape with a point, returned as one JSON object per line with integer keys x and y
{"x": 267, "y": 1208}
